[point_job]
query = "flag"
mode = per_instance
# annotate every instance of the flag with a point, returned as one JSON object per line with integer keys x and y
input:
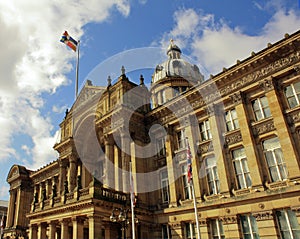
{"x": 69, "y": 41}
{"x": 189, "y": 162}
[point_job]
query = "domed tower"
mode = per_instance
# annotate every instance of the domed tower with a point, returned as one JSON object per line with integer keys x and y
{"x": 173, "y": 77}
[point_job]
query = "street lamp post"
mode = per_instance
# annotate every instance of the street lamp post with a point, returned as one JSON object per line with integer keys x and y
{"x": 120, "y": 215}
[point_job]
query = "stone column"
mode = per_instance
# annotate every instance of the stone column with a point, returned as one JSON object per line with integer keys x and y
{"x": 176, "y": 230}
{"x": 17, "y": 207}
{"x": 230, "y": 227}
{"x": 52, "y": 230}
{"x": 62, "y": 175}
{"x": 77, "y": 228}
{"x": 48, "y": 187}
{"x": 11, "y": 208}
{"x": 108, "y": 163}
{"x": 42, "y": 231}
{"x": 64, "y": 229}
{"x": 95, "y": 227}
{"x": 33, "y": 232}
{"x": 171, "y": 165}
{"x": 266, "y": 224}
{"x": 125, "y": 142}
{"x": 192, "y": 133}
{"x": 72, "y": 173}
{"x": 283, "y": 130}
{"x": 248, "y": 140}
{"x": 218, "y": 144}
{"x": 117, "y": 168}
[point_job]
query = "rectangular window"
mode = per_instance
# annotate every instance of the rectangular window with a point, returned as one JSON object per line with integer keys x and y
{"x": 292, "y": 94}
{"x": 212, "y": 175}
{"x": 166, "y": 232}
{"x": 189, "y": 230}
{"x": 261, "y": 108}
{"x": 288, "y": 224}
{"x": 275, "y": 161}
{"x": 205, "y": 132}
{"x": 216, "y": 228}
{"x": 249, "y": 227}
{"x": 241, "y": 168}
{"x": 181, "y": 139}
{"x": 164, "y": 186}
{"x": 231, "y": 119}
{"x": 186, "y": 186}
{"x": 160, "y": 147}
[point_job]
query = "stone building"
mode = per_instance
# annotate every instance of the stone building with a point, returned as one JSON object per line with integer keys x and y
{"x": 242, "y": 127}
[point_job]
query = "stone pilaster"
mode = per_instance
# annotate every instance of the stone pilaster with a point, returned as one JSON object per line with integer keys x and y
{"x": 288, "y": 146}
{"x": 125, "y": 142}
{"x": 33, "y": 230}
{"x": 77, "y": 228}
{"x": 170, "y": 167}
{"x": 108, "y": 179}
{"x": 11, "y": 208}
{"x": 64, "y": 228}
{"x": 42, "y": 229}
{"x": 218, "y": 144}
{"x": 193, "y": 136}
{"x": 248, "y": 141}
{"x": 72, "y": 173}
{"x": 95, "y": 227}
{"x": 52, "y": 230}
{"x": 266, "y": 224}
{"x": 62, "y": 175}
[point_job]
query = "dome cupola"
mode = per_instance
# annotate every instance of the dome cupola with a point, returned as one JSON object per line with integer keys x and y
{"x": 173, "y": 77}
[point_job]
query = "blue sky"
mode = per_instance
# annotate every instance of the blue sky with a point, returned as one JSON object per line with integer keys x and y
{"x": 37, "y": 71}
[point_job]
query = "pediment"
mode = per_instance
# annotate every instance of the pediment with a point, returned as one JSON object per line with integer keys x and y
{"x": 16, "y": 171}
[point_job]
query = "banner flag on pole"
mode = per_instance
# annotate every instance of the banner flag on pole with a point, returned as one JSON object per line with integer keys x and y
{"x": 69, "y": 41}
{"x": 189, "y": 162}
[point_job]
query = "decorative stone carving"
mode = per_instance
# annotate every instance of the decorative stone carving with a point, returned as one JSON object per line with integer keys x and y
{"x": 267, "y": 84}
{"x": 265, "y": 215}
{"x": 233, "y": 138}
{"x": 205, "y": 147}
{"x": 263, "y": 127}
{"x": 236, "y": 98}
{"x": 229, "y": 219}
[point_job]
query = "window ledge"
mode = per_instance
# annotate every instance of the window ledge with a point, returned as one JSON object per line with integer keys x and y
{"x": 277, "y": 185}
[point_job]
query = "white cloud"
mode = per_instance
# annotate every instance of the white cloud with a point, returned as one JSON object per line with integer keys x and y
{"x": 32, "y": 62}
{"x": 216, "y": 45}
{"x": 4, "y": 192}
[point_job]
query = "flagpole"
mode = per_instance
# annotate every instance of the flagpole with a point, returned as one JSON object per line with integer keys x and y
{"x": 190, "y": 183}
{"x": 77, "y": 70}
{"x": 131, "y": 201}
{"x": 195, "y": 208}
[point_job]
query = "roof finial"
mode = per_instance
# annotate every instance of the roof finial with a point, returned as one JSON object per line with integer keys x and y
{"x": 123, "y": 70}
{"x": 172, "y": 42}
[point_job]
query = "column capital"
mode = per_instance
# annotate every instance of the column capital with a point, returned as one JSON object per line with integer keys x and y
{"x": 237, "y": 98}
{"x": 267, "y": 84}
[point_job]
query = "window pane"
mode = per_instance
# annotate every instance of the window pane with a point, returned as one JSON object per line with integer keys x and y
{"x": 288, "y": 91}
{"x": 267, "y": 112}
{"x": 293, "y": 219}
{"x": 282, "y": 220}
{"x": 279, "y": 155}
{"x": 238, "y": 168}
{"x": 292, "y": 102}
{"x": 270, "y": 158}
